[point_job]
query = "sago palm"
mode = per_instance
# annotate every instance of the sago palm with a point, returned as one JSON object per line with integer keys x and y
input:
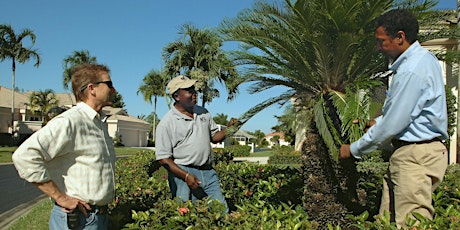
{"x": 311, "y": 48}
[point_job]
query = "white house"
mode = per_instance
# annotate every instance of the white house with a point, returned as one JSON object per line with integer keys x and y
{"x": 242, "y": 137}
{"x": 133, "y": 131}
{"x": 281, "y": 140}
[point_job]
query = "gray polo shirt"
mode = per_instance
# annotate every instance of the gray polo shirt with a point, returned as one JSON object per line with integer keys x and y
{"x": 187, "y": 140}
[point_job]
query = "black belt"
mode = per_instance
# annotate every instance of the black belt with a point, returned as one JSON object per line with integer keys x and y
{"x": 202, "y": 167}
{"x": 400, "y": 143}
{"x": 101, "y": 210}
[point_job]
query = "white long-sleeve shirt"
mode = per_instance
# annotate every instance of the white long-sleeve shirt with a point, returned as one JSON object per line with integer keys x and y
{"x": 76, "y": 152}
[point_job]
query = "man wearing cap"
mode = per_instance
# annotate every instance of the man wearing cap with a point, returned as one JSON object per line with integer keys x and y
{"x": 183, "y": 144}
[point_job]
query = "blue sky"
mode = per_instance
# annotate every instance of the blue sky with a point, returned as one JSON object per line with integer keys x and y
{"x": 128, "y": 36}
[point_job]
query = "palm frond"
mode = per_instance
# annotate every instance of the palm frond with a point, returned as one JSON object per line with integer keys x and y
{"x": 321, "y": 122}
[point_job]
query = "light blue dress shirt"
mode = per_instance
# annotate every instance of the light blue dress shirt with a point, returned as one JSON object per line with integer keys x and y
{"x": 415, "y": 107}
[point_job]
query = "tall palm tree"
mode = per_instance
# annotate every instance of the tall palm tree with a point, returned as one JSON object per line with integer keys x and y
{"x": 198, "y": 54}
{"x": 12, "y": 48}
{"x": 77, "y": 58}
{"x": 42, "y": 102}
{"x": 154, "y": 85}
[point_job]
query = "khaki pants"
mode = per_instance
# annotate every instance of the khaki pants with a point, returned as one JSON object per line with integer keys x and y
{"x": 415, "y": 171}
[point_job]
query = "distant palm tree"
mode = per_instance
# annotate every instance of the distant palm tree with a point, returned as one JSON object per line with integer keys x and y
{"x": 11, "y": 47}
{"x": 198, "y": 54}
{"x": 42, "y": 102}
{"x": 221, "y": 119}
{"x": 154, "y": 85}
{"x": 260, "y": 136}
{"x": 77, "y": 58}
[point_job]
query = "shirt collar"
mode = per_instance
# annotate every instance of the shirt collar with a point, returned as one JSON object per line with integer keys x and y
{"x": 91, "y": 112}
{"x": 180, "y": 115}
{"x": 407, "y": 53}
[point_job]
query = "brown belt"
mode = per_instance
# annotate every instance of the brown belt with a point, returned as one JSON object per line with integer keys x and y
{"x": 400, "y": 143}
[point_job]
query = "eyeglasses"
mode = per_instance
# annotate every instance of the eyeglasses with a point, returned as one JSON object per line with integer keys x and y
{"x": 108, "y": 83}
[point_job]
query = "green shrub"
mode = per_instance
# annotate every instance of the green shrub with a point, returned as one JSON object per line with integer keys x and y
{"x": 143, "y": 198}
{"x": 259, "y": 197}
{"x": 174, "y": 214}
{"x": 284, "y": 150}
{"x": 238, "y": 150}
{"x": 243, "y": 182}
{"x": 222, "y": 155}
{"x": 371, "y": 170}
{"x": 140, "y": 183}
{"x": 285, "y": 159}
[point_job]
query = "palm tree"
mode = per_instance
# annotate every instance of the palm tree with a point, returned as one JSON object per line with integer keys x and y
{"x": 221, "y": 119}
{"x": 311, "y": 48}
{"x": 42, "y": 102}
{"x": 154, "y": 85}
{"x": 314, "y": 48}
{"x": 12, "y": 48}
{"x": 199, "y": 55}
{"x": 260, "y": 136}
{"x": 77, "y": 58}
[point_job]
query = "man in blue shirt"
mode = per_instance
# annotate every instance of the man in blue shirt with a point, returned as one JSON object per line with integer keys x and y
{"x": 414, "y": 117}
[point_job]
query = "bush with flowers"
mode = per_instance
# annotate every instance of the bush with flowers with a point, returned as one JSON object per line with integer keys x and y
{"x": 259, "y": 197}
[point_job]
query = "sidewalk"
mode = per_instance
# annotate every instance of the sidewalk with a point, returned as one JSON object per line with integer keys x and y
{"x": 260, "y": 160}
{"x": 9, "y": 217}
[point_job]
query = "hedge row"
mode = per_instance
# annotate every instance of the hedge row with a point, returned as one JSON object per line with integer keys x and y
{"x": 259, "y": 197}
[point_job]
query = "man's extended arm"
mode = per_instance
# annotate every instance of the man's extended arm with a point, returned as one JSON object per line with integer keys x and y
{"x": 232, "y": 127}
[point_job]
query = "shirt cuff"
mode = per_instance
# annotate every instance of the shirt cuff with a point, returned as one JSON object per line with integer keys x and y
{"x": 355, "y": 151}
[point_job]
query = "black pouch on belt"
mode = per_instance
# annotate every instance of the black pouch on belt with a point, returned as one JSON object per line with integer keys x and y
{"x": 73, "y": 221}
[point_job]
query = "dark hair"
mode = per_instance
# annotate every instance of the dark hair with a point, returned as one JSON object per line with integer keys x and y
{"x": 84, "y": 74}
{"x": 397, "y": 20}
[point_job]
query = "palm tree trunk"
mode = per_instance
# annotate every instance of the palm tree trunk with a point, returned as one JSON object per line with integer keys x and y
{"x": 458, "y": 83}
{"x": 13, "y": 76}
{"x": 154, "y": 118}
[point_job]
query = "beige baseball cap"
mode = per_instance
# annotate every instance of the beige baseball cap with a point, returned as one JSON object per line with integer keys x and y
{"x": 179, "y": 82}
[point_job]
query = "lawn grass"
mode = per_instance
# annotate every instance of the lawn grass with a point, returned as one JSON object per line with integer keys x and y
{"x": 262, "y": 154}
{"x": 6, "y": 152}
{"x": 36, "y": 219}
